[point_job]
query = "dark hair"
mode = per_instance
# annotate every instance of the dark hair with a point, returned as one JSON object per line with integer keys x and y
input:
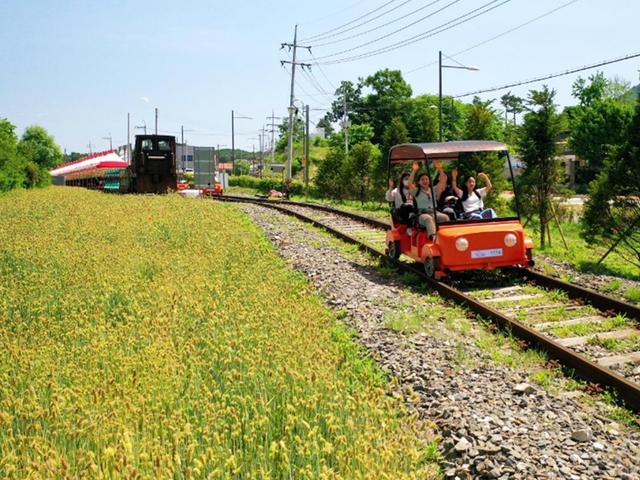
{"x": 401, "y": 186}
{"x": 465, "y": 190}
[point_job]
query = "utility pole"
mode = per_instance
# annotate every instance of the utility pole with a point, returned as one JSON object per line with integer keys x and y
{"x": 184, "y": 147}
{"x": 156, "y": 121}
{"x": 345, "y": 123}
{"x": 272, "y": 130}
{"x": 306, "y": 151}
{"x": 233, "y": 145}
{"x": 128, "y": 138}
{"x": 110, "y": 138}
{"x": 90, "y": 150}
{"x": 292, "y": 108}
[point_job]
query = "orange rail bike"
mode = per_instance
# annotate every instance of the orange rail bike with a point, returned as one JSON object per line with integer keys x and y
{"x": 465, "y": 241}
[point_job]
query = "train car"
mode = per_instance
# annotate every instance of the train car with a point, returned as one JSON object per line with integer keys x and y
{"x": 152, "y": 168}
{"x": 153, "y": 165}
{"x": 460, "y": 243}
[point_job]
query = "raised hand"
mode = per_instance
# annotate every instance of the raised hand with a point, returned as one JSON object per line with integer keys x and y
{"x": 390, "y": 183}
{"x": 415, "y": 166}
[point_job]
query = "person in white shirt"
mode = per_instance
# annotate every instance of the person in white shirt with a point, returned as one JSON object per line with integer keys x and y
{"x": 472, "y": 198}
{"x": 401, "y": 198}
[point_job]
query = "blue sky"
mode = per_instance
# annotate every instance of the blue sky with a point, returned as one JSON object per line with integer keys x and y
{"x": 78, "y": 67}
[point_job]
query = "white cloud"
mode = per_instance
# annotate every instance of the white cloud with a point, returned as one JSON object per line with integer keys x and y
{"x": 145, "y": 99}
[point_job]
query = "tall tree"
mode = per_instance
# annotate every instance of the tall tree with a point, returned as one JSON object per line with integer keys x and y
{"x": 12, "y": 174}
{"x": 421, "y": 118}
{"x": 482, "y": 123}
{"x": 39, "y": 147}
{"x": 598, "y": 124}
{"x": 363, "y": 158}
{"x": 613, "y": 210}
{"x": 331, "y": 175}
{"x": 538, "y": 149}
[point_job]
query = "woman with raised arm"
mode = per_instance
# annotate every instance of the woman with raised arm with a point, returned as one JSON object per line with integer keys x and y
{"x": 401, "y": 198}
{"x": 472, "y": 197}
{"x": 425, "y": 194}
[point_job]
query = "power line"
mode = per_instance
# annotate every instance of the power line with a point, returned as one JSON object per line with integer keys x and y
{"x": 335, "y": 54}
{"x": 416, "y": 38}
{"x": 552, "y": 75}
{"x": 376, "y": 27}
{"x": 528, "y": 22}
{"x": 348, "y": 23}
{"x": 359, "y": 25}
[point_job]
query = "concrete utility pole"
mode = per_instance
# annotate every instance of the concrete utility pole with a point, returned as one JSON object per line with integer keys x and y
{"x": 90, "y": 150}
{"x": 345, "y": 123}
{"x": 156, "y": 120}
{"x": 128, "y": 138}
{"x": 272, "y": 130}
{"x": 306, "y": 150}
{"x": 233, "y": 139}
{"x": 292, "y": 107}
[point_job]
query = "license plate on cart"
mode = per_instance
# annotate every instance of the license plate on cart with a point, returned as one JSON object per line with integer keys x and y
{"x": 492, "y": 252}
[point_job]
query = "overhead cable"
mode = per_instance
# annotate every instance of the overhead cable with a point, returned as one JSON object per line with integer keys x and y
{"x": 528, "y": 22}
{"x": 552, "y": 75}
{"x": 319, "y": 35}
{"x": 375, "y": 40}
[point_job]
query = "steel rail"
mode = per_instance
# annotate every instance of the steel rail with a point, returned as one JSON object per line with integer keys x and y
{"x": 628, "y": 392}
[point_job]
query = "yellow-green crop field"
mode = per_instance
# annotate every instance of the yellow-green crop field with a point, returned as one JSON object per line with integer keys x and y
{"x": 161, "y": 337}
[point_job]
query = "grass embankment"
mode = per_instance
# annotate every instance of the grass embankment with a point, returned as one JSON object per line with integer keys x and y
{"x": 162, "y": 337}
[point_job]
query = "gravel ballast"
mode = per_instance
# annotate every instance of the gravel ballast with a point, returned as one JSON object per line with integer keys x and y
{"x": 493, "y": 420}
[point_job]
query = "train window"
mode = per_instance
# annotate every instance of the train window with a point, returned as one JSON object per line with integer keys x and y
{"x": 164, "y": 146}
{"x": 147, "y": 144}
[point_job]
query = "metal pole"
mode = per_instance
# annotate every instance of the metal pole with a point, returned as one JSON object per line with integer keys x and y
{"x": 345, "y": 124}
{"x": 184, "y": 153}
{"x": 128, "y": 139}
{"x": 233, "y": 146}
{"x": 156, "y": 121}
{"x": 306, "y": 151}
{"x": 291, "y": 98}
{"x": 440, "y": 92}
{"x": 273, "y": 132}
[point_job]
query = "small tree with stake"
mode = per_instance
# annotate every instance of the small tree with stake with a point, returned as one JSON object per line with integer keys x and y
{"x": 538, "y": 149}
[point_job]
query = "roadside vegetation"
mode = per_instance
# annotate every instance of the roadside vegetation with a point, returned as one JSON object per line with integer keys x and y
{"x": 153, "y": 337}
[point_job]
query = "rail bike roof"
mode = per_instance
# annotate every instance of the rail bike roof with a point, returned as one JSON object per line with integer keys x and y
{"x": 419, "y": 151}
{"x": 94, "y": 165}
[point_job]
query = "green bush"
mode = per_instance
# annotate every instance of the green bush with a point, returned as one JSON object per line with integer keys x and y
{"x": 264, "y": 185}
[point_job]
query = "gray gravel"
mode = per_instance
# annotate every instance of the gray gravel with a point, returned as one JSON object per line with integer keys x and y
{"x": 493, "y": 422}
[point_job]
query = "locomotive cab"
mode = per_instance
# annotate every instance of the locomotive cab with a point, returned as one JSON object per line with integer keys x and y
{"x": 462, "y": 242}
{"x": 154, "y": 164}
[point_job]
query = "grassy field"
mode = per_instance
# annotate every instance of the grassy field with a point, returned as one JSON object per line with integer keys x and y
{"x": 162, "y": 337}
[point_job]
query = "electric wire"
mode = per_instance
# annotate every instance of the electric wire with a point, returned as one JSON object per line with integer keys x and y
{"x": 377, "y": 27}
{"x": 416, "y": 38}
{"x": 465, "y": 50}
{"x": 375, "y": 40}
{"x": 552, "y": 75}
{"x": 348, "y": 23}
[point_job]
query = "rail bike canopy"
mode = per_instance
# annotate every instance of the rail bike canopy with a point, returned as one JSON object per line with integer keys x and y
{"x": 409, "y": 152}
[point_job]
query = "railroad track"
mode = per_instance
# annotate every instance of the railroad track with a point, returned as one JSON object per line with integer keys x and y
{"x": 594, "y": 335}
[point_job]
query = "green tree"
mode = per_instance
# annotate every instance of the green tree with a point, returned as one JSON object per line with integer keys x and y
{"x": 421, "y": 118}
{"x": 242, "y": 167}
{"x": 360, "y": 165}
{"x": 357, "y": 134}
{"x": 482, "y": 123}
{"x": 613, "y": 211}
{"x": 325, "y": 122}
{"x": 331, "y": 175}
{"x": 538, "y": 149}
{"x": 12, "y": 167}
{"x": 598, "y": 124}
{"x": 387, "y": 100}
{"x": 41, "y": 154}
